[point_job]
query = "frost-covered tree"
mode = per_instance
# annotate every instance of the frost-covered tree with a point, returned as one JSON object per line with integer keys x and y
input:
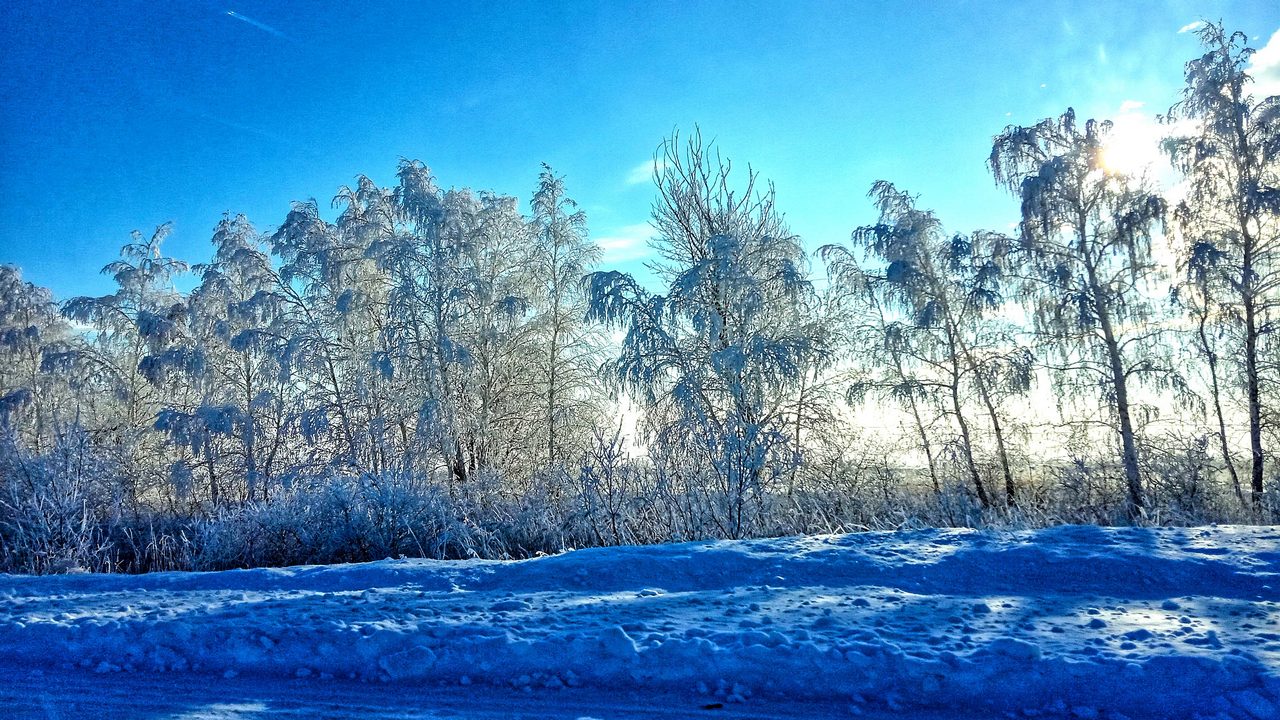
{"x": 715, "y": 358}
{"x": 458, "y": 323}
{"x": 946, "y": 289}
{"x": 569, "y": 348}
{"x": 361, "y": 312}
{"x": 132, "y": 328}
{"x": 236, "y": 423}
{"x": 1209, "y": 339}
{"x": 426, "y": 259}
{"x": 878, "y": 342}
{"x": 1230, "y": 217}
{"x": 325, "y": 295}
{"x": 1085, "y": 250}
{"x": 815, "y": 426}
{"x": 31, "y": 329}
{"x": 500, "y": 398}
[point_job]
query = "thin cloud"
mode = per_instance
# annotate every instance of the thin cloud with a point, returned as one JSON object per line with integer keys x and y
{"x": 1264, "y": 67}
{"x": 260, "y": 25}
{"x": 249, "y": 129}
{"x": 1130, "y": 106}
{"x": 643, "y": 173}
{"x": 1190, "y": 26}
{"x": 629, "y": 242}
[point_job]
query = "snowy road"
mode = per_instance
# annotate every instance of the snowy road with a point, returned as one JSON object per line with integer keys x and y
{"x": 80, "y": 696}
{"x": 1070, "y": 622}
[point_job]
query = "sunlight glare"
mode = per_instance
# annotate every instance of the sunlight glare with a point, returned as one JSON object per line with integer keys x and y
{"x": 1133, "y": 146}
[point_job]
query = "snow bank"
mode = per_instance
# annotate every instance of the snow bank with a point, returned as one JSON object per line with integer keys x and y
{"x": 1073, "y": 621}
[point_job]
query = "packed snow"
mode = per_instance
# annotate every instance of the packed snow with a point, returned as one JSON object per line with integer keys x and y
{"x": 1074, "y": 621}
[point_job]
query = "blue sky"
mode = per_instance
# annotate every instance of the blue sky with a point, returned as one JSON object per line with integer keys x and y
{"x": 130, "y": 114}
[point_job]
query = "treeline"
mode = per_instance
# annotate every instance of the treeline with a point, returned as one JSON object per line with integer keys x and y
{"x": 445, "y": 373}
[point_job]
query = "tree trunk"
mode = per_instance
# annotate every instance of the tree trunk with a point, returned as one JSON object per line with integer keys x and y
{"x": 1010, "y": 489}
{"x": 1128, "y": 444}
{"x": 1255, "y": 404}
{"x": 928, "y": 448}
{"x": 1120, "y": 384}
{"x": 1135, "y": 506}
{"x": 249, "y": 436}
{"x": 554, "y": 361}
{"x": 915, "y": 414}
{"x": 1211, "y": 358}
{"x": 795, "y": 466}
{"x": 1002, "y": 454}
{"x": 214, "y": 496}
{"x": 965, "y": 435}
{"x": 1249, "y": 174}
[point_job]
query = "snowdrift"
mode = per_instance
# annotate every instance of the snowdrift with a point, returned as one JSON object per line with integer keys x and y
{"x": 1072, "y": 621}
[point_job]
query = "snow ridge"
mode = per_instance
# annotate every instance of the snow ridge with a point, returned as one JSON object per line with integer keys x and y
{"x": 1072, "y": 621}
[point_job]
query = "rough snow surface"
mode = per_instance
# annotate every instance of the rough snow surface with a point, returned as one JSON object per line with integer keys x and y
{"x": 1075, "y": 621}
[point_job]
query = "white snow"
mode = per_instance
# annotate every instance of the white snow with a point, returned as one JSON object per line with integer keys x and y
{"x": 1076, "y": 621}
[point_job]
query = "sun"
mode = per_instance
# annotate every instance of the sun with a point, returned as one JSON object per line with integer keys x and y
{"x": 1133, "y": 145}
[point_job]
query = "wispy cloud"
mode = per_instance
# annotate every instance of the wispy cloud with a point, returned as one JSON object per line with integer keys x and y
{"x": 1130, "y": 106}
{"x": 1265, "y": 68}
{"x": 643, "y": 173}
{"x": 1190, "y": 26}
{"x": 260, "y": 25}
{"x": 249, "y": 129}
{"x": 629, "y": 242}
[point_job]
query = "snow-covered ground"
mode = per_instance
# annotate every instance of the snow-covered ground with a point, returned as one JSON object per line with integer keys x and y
{"x": 1074, "y": 621}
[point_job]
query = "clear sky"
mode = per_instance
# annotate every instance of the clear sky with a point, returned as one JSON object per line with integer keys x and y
{"x": 123, "y": 115}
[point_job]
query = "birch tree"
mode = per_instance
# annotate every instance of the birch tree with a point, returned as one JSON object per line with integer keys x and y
{"x": 1230, "y": 218}
{"x": 31, "y": 328}
{"x": 945, "y": 288}
{"x": 569, "y": 347}
{"x": 132, "y": 326}
{"x": 1085, "y": 250}
{"x": 715, "y": 357}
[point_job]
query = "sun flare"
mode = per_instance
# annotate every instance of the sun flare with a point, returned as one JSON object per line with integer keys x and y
{"x": 1133, "y": 145}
